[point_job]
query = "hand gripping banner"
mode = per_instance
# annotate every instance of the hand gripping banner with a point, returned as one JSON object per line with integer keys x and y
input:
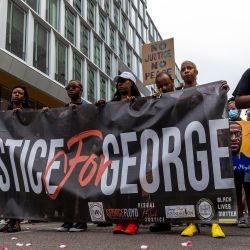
{"x": 152, "y": 160}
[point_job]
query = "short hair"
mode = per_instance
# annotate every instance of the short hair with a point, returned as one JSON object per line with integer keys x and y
{"x": 187, "y": 61}
{"x": 164, "y": 72}
{"x": 235, "y": 123}
{"x": 77, "y": 81}
{"x": 26, "y": 96}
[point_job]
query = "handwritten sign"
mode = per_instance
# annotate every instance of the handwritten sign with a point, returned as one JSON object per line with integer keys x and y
{"x": 157, "y": 57}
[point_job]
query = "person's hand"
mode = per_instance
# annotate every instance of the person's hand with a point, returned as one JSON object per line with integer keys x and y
{"x": 72, "y": 105}
{"x": 130, "y": 99}
{"x": 15, "y": 110}
{"x": 100, "y": 103}
{"x": 157, "y": 94}
{"x": 45, "y": 109}
{"x": 224, "y": 85}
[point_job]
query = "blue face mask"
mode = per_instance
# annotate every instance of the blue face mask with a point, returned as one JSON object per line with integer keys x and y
{"x": 233, "y": 114}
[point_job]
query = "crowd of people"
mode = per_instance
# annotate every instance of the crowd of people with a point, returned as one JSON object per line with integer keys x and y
{"x": 127, "y": 91}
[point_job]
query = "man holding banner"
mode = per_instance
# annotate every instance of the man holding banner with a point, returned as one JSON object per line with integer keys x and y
{"x": 189, "y": 74}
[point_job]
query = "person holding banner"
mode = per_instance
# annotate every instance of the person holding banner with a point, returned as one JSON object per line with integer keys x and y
{"x": 189, "y": 74}
{"x": 164, "y": 83}
{"x": 19, "y": 101}
{"x": 126, "y": 91}
{"x": 74, "y": 91}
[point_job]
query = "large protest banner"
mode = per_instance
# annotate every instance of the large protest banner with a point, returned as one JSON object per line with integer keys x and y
{"x": 157, "y": 57}
{"x": 152, "y": 160}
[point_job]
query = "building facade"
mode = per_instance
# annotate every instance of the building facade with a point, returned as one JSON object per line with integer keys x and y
{"x": 46, "y": 43}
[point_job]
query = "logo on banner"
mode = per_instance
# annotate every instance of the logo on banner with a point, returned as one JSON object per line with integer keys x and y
{"x": 205, "y": 209}
{"x": 122, "y": 213}
{"x": 96, "y": 211}
{"x": 180, "y": 211}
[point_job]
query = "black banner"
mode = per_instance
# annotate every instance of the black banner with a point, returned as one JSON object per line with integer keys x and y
{"x": 152, "y": 160}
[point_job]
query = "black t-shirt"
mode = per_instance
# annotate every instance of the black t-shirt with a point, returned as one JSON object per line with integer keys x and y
{"x": 243, "y": 87}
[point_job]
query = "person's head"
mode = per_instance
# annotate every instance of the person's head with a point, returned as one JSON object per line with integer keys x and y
{"x": 236, "y": 137}
{"x": 189, "y": 73}
{"x": 74, "y": 89}
{"x": 164, "y": 82}
{"x": 125, "y": 86}
{"x": 233, "y": 112}
{"x": 19, "y": 96}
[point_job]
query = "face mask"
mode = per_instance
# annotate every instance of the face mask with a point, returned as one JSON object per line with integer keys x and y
{"x": 233, "y": 114}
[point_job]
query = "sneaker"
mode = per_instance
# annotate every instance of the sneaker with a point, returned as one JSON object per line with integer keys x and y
{"x": 217, "y": 232}
{"x": 119, "y": 229}
{"x": 3, "y": 222}
{"x": 131, "y": 229}
{"x": 78, "y": 227}
{"x": 65, "y": 227}
{"x": 160, "y": 227}
{"x": 4, "y": 227}
{"x": 13, "y": 226}
{"x": 190, "y": 230}
{"x": 243, "y": 222}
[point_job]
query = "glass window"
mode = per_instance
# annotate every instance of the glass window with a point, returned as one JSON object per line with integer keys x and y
{"x": 102, "y": 26}
{"x": 137, "y": 44}
{"x": 52, "y": 12}
{"x": 97, "y": 52}
{"x": 135, "y": 4}
{"x": 108, "y": 62}
{"x": 34, "y": 4}
{"x": 124, "y": 26}
{"x": 116, "y": 15}
{"x": 130, "y": 35}
{"x": 77, "y": 67}
{"x": 141, "y": 9}
{"x": 78, "y": 5}
{"x": 139, "y": 26}
{"x": 112, "y": 91}
{"x": 70, "y": 20}
{"x": 84, "y": 43}
{"x": 134, "y": 63}
{"x": 103, "y": 89}
{"x": 91, "y": 85}
{"x": 129, "y": 58}
{"x": 112, "y": 42}
{"x": 91, "y": 13}
{"x": 61, "y": 62}
{"x": 41, "y": 48}
{"x": 126, "y": 7}
{"x": 107, "y": 6}
{"x": 133, "y": 17}
{"x": 16, "y": 30}
{"x": 121, "y": 49}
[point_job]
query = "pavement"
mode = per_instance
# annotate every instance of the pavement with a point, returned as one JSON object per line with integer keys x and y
{"x": 43, "y": 236}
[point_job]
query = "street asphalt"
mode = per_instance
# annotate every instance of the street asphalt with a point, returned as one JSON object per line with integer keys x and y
{"x": 43, "y": 236}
